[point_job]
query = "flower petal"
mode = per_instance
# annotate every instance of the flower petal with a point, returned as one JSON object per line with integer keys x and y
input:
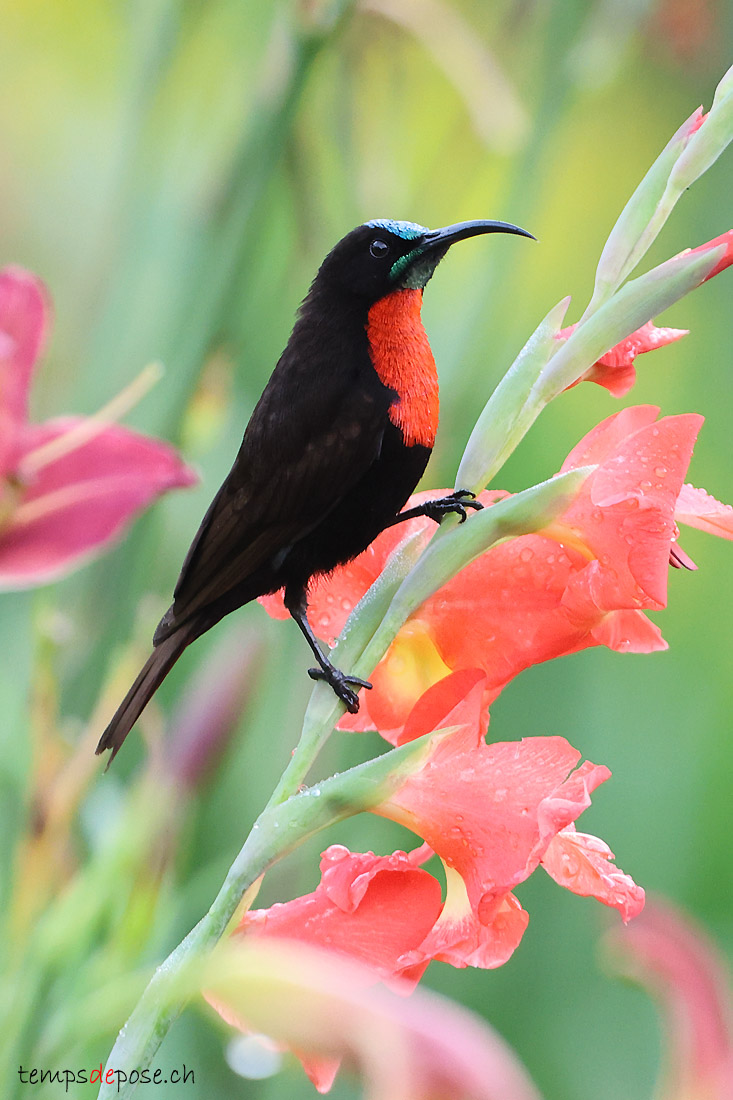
{"x": 697, "y": 508}
{"x": 676, "y": 962}
{"x": 489, "y": 811}
{"x": 320, "y": 1006}
{"x": 615, "y": 370}
{"x": 79, "y": 503}
{"x": 374, "y": 909}
{"x": 24, "y": 313}
{"x": 460, "y": 939}
{"x": 626, "y": 515}
{"x": 581, "y": 863}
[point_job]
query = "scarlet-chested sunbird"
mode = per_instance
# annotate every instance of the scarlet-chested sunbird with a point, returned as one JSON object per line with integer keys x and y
{"x": 336, "y": 444}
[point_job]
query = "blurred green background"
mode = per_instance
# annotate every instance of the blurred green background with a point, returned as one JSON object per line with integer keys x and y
{"x": 175, "y": 170}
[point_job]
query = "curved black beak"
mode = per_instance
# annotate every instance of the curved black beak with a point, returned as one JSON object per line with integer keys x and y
{"x": 444, "y": 238}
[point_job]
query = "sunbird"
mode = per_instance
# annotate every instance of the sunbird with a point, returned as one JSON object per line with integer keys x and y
{"x": 335, "y": 446}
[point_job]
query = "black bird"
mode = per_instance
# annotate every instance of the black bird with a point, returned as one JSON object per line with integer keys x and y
{"x": 335, "y": 446}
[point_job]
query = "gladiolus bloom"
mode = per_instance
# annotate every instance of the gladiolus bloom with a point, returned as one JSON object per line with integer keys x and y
{"x": 320, "y": 1006}
{"x": 683, "y": 970}
{"x": 586, "y": 580}
{"x": 68, "y": 487}
{"x": 375, "y": 909}
{"x": 493, "y": 814}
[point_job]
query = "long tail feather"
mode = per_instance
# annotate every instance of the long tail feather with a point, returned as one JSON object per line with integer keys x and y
{"x": 151, "y": 676}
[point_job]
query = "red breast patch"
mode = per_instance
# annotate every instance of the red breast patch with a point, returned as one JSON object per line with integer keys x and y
{"x": 402, "y": 358}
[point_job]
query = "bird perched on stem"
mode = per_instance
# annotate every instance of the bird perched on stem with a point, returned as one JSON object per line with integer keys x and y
{"x": 334, "y": 448}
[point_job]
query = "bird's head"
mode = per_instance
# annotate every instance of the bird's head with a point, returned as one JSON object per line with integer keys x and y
{"x": 384, "y": 255}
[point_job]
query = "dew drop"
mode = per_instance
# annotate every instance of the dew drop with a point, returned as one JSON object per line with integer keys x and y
{"x": 660, "y": 471}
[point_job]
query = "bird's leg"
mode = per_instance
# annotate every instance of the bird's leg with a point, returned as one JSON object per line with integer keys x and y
{"x": 436, "y": 509}
{"x": 296, "y": 603}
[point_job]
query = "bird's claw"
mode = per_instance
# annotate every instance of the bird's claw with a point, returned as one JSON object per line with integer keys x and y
{"x": 339, "y": 681}
{"x": 456, "y": 502}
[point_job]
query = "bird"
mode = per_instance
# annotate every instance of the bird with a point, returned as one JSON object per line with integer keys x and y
{"x": 335, "y": 446}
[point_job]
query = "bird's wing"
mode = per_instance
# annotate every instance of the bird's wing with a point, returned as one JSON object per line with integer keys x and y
{"x": 301, "y": 454}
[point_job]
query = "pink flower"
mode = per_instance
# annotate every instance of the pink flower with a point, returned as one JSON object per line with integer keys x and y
{"x": 322, "y": 1007}
{"x": 493, "y": 814}
{"x": 68, "y": 487}
{"x": 374, "y": 909}
{"x": 586, "y": 580}
{"x": 674, "y": 961}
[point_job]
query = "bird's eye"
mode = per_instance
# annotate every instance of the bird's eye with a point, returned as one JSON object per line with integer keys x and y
{"x": 378, "y": 248}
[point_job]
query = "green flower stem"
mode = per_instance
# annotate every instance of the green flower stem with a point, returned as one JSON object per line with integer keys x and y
{"x": 277, "y": 831}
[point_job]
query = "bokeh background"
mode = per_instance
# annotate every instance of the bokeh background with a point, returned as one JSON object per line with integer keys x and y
{"x": 175, "y": 170}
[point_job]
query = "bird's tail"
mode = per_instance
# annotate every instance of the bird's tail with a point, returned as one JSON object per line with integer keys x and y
{"x": 149, "y": 679}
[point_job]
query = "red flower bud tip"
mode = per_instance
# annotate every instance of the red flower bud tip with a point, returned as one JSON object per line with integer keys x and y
{"x": 726, "y": 259}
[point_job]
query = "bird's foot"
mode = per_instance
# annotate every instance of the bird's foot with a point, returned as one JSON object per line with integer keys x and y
{"x": 455, "y": 502}
{"x": 340, "y": 682}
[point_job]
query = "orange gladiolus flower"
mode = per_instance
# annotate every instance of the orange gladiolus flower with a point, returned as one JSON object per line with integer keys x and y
{"x": 586, "y": 580}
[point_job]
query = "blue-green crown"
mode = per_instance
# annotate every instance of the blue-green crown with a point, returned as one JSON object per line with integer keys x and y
{"x": 407, "y": 230}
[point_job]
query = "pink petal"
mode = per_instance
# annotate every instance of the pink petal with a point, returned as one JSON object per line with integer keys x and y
{"x": 460, "y": 939}
{"x": 422, "y": 1047}
{"x": 615, "y": 370}
{"x": 490, "y": 811}
{"x": 581, "y": 863}
{"x": 676, "y": 962}
{"x": 24, "y": 312}
{"x": 82, "y": 501}
{"x": 629, "y": 632}
{"x": 626, "y": 514}
{"x": 602, "y": 440}
{"x": 699, "y": 509}
{"x": 374, "y": 909}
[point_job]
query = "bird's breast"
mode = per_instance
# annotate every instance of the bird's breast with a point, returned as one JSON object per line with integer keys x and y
{"x": 401, "y": 355}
